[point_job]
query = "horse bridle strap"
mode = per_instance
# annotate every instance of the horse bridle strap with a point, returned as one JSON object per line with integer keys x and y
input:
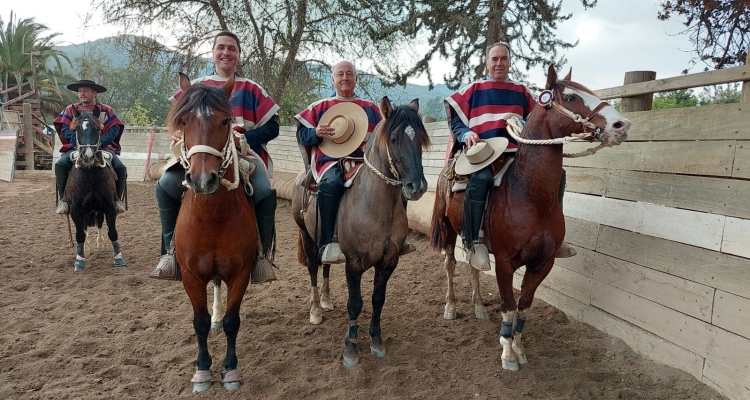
{"x": 390, "y": 181}
{"x": 596, "y": 131}
{"x": 228, "y": 156}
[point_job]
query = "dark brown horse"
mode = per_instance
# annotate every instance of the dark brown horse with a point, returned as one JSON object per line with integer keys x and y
{"x": 371, "y": 221}
{"x": 90, "y": 190}
{"x": 215, "y": 236}
{"x": 524, "y": 223}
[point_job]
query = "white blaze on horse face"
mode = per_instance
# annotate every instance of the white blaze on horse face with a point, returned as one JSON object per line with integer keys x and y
{"x": 204, "y": 113}
{"x": 410, "y": 132}
{"x": 610, "y": 115}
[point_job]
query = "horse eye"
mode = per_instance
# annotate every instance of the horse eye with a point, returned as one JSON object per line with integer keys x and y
{"x": 571, "y": 98}
{"x": 226, "y": 122}
{"x": 182, "y": 122}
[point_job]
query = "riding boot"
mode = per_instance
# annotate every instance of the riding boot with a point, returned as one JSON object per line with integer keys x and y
{"x": 407, "y": 247}
{"x": 169, "y": 208}
{"x": 565, "y": 249}
{"x": 61, "y": 179}
{"x": 265, "y": 212}
{"x": 329, "y": 251}
{"x": 477, "y": 254}
{"x": 120, "y": 185}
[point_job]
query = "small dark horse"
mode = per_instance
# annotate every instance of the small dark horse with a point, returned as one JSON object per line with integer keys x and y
{"x": 90, "y": 190}
{"x": 215, "y": 236}
{"x": 371, "y": 222}
{"x": 524, "y": 223}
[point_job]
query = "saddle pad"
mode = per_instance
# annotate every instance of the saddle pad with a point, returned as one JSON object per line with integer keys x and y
{"x": 498, "y": 179}
{"x": 351, "y": 172}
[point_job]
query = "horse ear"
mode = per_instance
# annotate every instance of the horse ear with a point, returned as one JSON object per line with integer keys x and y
{"x": 570, "y": 72}
{"x": 414, "y": 104}
{"x": 551, "y": 77}
{"x": 184, "y": 82}
{"x": 228, "y": 87}
{"x": 96, "y": 111}
{"x": 76, "y": 113}
{"x": 385, "y": 107}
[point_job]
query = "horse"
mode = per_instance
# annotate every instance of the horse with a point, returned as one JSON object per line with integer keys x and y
{"x": 524, "y": 223}
{"x": 371, "y": 220}
{"x": 90, "y": 189}
{"x": 215, "y": 235}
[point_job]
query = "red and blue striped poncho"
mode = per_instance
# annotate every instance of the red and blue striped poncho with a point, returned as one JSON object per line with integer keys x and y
{"x": 251, "y": 105}
{"x": 484, "y": 106}
{"x": 113, "y": 127}
{"x": 309, "y": 119}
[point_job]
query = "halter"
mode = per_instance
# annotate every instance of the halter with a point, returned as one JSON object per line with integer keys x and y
{"x": 228, "y": 155}
{"x": 390, "y": 181}
{"x": 515, "y": 127}
{"x": 94, "y": 148}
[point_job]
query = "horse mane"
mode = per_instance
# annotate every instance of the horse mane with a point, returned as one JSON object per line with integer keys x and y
{"x": 87, "y": 115}
{"x": 401, "y": 117}
{"x": 199, "y": 99}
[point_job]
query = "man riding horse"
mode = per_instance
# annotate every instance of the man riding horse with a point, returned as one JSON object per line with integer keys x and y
{"x": 330, "y": 138}
{"x": 110, "y": 140}
{"x": 478, "y": 112}
{"x": 256, "y": 117}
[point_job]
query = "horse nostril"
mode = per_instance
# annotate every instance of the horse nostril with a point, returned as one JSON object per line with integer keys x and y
{"x": 617, "y": 125}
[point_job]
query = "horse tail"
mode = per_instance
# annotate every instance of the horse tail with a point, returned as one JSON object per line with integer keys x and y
{"x": 437, "y": 229}
{"x": 301, "y": 255}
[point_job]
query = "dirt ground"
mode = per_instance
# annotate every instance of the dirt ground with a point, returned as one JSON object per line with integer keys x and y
{"x": 107, "y": 333}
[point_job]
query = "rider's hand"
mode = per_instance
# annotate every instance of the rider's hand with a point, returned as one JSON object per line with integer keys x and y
{"x": 176, "y": 136}
{"x": 471, "y": 140}
{"x": 324, "y": 131}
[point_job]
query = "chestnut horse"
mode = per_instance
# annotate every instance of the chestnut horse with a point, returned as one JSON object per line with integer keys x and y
{"x": 215, "y": 236}
{"x": 524, "y": 223}
{"x": 371, "y": 223}
{"x": 90, "y": 190}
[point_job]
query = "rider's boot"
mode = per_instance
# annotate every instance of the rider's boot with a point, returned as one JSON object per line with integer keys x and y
{"x": 330, "y": 251}
{"x": 477, "y": 254}
{"x": 265, "y": 212}
{"x": 407, "y": 247}
{"x": 61, "y": 179}
{"x": 120, "y": 186}
{"x": 565, "y": 249}
{"x": 167, "y": 268}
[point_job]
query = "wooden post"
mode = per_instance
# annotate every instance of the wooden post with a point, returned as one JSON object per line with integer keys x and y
{"x": 746, "y": 84}
{"x": 642, "y": 102}
{"x": 28, "y": 136}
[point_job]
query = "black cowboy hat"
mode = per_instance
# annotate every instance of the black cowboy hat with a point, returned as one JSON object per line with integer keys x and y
{"x": 87, "y": 83}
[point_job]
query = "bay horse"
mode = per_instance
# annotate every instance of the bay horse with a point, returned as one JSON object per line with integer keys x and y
{"x": 90, "y": 189}
{"x": 215, "y": 235}
{"x": 524, "y": 223}
{"x": 371, "y": 223}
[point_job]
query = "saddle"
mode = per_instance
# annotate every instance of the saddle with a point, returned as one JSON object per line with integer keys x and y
{"x": 457, "y": 182}
{"x": 350, "y": 166}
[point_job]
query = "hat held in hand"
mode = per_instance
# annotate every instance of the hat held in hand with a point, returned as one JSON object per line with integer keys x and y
{"x": 349, "y": 122}
{"x": 480, "y": 155}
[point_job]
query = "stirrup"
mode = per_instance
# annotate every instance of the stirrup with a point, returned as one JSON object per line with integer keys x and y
{"x": 120, "y": 207}
{"x": 167, "y": 268}
{"x": 565, "y": 251}
{"x": 407, "y": 248}
{"x": 262, "y": 272}
{"x": 478, "y": 257}
{"x": 62, "y": 207}
{"x": 332, "y": 254}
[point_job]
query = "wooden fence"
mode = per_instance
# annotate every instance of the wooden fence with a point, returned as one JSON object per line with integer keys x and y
{"x": 661, "y": 224}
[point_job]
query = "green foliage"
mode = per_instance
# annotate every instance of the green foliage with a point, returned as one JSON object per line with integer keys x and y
{"x": 434, "y": 108}
{"x": 720, "y": 94}
{"x": 677, "y": 99}
{"x": 137, "y": 115}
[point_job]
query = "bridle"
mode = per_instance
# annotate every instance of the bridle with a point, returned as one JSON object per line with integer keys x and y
{"x": 390, "y": 181}
{"x": 228, "y": 155}
{"x": 93, "y": 147}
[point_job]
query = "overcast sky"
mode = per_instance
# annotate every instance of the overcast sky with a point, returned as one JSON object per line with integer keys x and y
{"x": 615, "y": 37}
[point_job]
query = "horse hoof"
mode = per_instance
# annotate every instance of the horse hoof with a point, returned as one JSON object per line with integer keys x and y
{"x": 449, "y": 314}
{"x": 120, "y": 262}
{"x": 350, "y": 362}
{"x": 216, "y": 325}
{"x": 201, "y": 386}
{"x": 79, "y": 265}
{"x": 510, "y": 366}
{"x": 377, "y": 352}
{"x": 232, "y": 385}
{"x": 327, "y": 307}
{"x": 480, "y": 314}
{"x": 316, "y": 318}
{"x": 522, "y": 359}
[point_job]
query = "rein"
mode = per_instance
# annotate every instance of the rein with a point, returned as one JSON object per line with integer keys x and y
{"x": 228, "y": 156}
{"x": 390, "y": 181}
{"x": 515, "y": 128}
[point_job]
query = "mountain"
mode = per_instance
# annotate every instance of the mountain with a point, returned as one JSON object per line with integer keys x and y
{"x": 431, "y": 101}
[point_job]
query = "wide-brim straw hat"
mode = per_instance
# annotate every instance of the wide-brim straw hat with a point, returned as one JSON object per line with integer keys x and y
{"x": 87, "y": 83}
{"x": 480, "y": 155}
{"x": 350, "y": 124}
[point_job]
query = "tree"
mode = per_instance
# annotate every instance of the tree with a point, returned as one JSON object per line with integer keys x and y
{"x": 462, "y": 29}
{"x": 22, "y": 42}
{"x": 720, "y": 29}
{"x": 279, "y": 39}
{"x": 676, "y": 99}
{"x": 721, "y": 94}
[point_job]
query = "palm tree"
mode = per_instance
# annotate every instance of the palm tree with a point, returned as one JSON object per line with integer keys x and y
{"x": 23, "y": 42}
